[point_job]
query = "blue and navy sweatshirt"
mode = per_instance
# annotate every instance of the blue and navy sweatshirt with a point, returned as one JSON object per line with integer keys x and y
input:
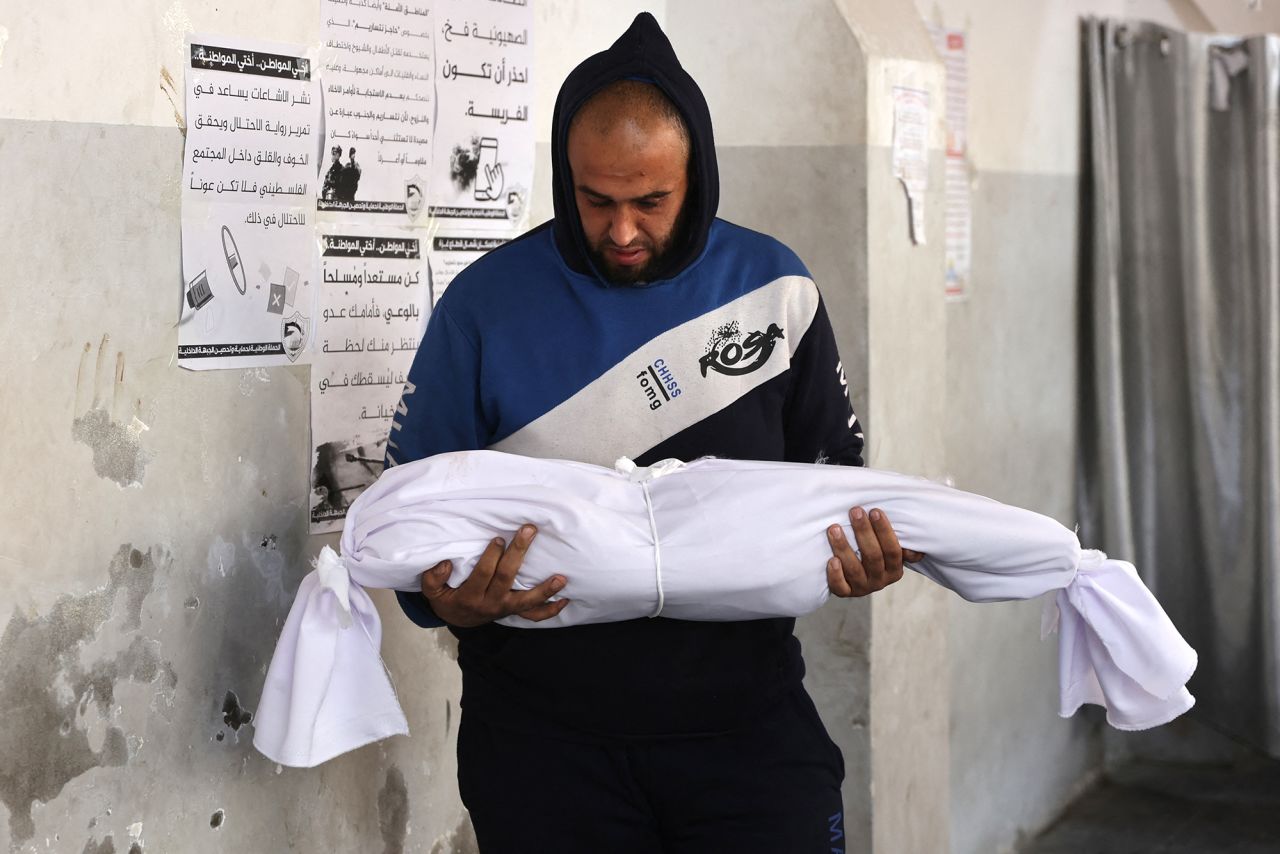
{"x": 531, "y": 351}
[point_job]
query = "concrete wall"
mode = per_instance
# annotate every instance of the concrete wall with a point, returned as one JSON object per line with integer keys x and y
{"x": 1011, "y": 383}
{"x": 159, "y": 521}
{"x": 158, "y": 526}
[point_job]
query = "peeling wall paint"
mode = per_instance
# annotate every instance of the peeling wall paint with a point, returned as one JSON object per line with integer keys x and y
{"x": 117, "y": 451}
{"x": 93, "y": 846}
{"x": 461, "y": 840}
{"x": 47, "y": 691}
{"x": 118, "y": 454}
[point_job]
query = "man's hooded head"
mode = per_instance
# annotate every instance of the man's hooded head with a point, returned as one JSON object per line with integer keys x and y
{"x": 635, "y": 183}
{"x": 629, "y": 157}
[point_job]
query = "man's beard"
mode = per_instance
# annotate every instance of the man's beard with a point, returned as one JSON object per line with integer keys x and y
{"x": 661, "y": 256}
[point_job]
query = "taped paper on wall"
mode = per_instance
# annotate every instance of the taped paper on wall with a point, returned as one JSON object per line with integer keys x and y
{"x": 248, "y": 246}
{"x": 959, "y": 214}
{"x": 911, "y": 151}
{"x": 373, "y": 308}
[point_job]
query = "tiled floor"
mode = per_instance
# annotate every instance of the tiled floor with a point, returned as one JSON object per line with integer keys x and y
{"x": 1166, "y": 808}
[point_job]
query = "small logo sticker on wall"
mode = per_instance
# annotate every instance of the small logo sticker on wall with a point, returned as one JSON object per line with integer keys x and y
{"x": 729, "y": 353}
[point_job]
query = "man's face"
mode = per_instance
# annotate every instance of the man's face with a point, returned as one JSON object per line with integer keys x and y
{"x": 630, "y": 186}
{"x": 337, "y": 154}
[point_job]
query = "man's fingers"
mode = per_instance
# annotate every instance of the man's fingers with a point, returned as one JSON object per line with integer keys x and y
{"x": 912, "y": 556}
{"x": 869, "y": 545}
{"x": 485, "y": 567}
{"x": 890, "y": 549}
{"x": 435, "y": 581}
{"x": 851, "y": 569}
{"x": 524, "y": 600}
{"x": 545, "y": 611}
{"x": 509, "y": 563}
{"x": 836, "y": 580}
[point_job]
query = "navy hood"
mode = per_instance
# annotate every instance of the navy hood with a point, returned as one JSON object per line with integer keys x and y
{"x": 643, "y": 52}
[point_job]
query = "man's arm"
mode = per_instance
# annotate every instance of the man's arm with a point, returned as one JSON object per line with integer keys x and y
{"x": 440, "y": 411}
{"x": 820, "y": 426}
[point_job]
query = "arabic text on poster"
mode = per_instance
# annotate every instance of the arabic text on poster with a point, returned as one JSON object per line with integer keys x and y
{"x": 483, "y": 167}
{"x": 378, "y": 68}
{"x": 372, "y": 313}
{"x": 248, "y": 251}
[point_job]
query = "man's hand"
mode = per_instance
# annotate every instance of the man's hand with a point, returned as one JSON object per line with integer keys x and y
{"x": 881, "y": 561}
{"x": 487, "y": 595}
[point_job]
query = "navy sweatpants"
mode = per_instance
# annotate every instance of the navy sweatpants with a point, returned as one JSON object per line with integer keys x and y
{"x": 772, "y": 788}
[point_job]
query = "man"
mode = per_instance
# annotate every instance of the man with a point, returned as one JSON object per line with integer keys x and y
{"x": 349, "y": 178}
{"x": 635, "y": 323}
{"x": 333, "y": 177}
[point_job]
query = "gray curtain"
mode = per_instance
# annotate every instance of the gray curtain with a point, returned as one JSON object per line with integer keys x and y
{"x": 1180, "y": 397}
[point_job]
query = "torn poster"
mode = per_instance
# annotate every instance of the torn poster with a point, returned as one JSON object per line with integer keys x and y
{"x": 483, "y": 167}
{"x": 372, "y": 313}
{"x": 378, "y": 65}
{"x": 248, "y": 244}
{"x": 911, "y": 151}
{"x": 451, "y": 253}
{"x": 959, "y": 213}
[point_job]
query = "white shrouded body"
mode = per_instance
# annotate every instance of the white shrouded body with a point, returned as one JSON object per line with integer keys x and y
{"x": 711, "y": 540}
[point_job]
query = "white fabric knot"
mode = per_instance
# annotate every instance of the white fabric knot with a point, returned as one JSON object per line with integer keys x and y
{"x": 645, "y": 474}
{"x": 333, "y": 576}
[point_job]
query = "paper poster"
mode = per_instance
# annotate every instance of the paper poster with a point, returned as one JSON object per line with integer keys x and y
{"x": 959, "y": 213}
{"x": 911, "y": 151}
{"x": 483, "y": 167}
{"x": 451, "y": 253}
{"x": 372, "y": 313}
{"x": 248, "y": 246}
{"x": 378, "y": 69}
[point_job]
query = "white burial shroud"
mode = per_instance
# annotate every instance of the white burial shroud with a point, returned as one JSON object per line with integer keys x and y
{"x": 710, "y": 540}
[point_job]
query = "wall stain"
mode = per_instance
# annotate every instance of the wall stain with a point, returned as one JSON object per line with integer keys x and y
{"x": 272, "y": 566}
{"x": 117, "y": 449}
{"x": 461, "y": 840}
{"x": 93, "y": 846}
{"x": 232, "y": 714}
{"x": 215, "y": 821}
{"x": 117, "y": 452}
{"x": 43, "y": 740}
{"x": 170, "y": 90}
{"x": 447, "y": 642}
{"x": 393, "y": 811}
{"x": 251, "y": 379}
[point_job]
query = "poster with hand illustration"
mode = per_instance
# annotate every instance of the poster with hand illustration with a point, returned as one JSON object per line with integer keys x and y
{"x": 483, "y": 162}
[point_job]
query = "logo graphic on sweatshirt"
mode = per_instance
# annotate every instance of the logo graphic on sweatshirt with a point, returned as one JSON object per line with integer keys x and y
{"x": 658, "y": 384}
{"x": 729, "y": 352}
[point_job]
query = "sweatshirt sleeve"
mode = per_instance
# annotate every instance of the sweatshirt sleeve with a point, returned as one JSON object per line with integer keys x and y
{"x": 819, "y": 424}
{"x": 439, "y": 411}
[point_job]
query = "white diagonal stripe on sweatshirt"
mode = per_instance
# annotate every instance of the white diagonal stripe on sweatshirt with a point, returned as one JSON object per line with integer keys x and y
{"x": 789, "y": 302}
